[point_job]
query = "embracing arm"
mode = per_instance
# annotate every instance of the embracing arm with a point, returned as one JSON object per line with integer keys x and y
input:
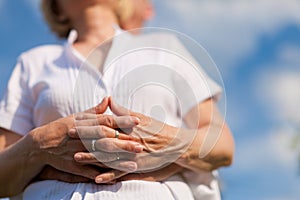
{"x": 18, "y": 162}
{"x": 213, "y": 145}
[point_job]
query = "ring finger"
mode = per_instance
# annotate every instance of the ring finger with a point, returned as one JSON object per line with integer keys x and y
{"x": 97, "y": 132}
{"x": 103, "y": 157}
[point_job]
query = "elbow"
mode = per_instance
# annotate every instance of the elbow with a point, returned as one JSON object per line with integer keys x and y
{"x": 223, "y": 152}
{"x": 224, "y": 159}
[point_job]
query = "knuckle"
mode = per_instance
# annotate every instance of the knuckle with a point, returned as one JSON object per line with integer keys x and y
{"x": 129, "y": 147}
{"x": 111, "y": 176}
{"x": 109, "y": 121}
{"x": 118, "y": 145}
{"x": 100, "y": 131}
{"x": 128, "y": 121}
{"x": 90, "y": 157}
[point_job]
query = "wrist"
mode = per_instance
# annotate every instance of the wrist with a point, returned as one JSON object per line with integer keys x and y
{"x": 191, "y": 153}
{"x": 35, "y": 141}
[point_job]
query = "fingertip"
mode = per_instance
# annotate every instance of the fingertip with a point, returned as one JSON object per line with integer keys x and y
{"x": 72, "y": 133}
{"x": 138, "y": 148}
{"x": 99, "y": 180}
{"x": 106, "y": 99}
{"x": 136, "y": 120}
{"x": 77, "y": 157}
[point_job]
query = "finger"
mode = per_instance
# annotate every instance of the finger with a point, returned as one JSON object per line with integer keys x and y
{"x": 100, "y": 108}
{"x": 103, "y": 157}
{"x": 97, "y": 132}
{"x": 88, "y": 119}
{"x": 121, "y": 165}
{"x": 114, "y": 145}
{"x": 117, "y": 109}
{"x": 109, "y": 176}
{"x": 122, "y": 111}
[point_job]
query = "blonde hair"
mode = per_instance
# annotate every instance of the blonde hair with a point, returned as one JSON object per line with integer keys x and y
{"x": 62, "y": 26}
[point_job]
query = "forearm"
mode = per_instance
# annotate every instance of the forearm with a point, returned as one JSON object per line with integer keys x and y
{"x": 211, "y": 148}
{"x": 18, "y": 166}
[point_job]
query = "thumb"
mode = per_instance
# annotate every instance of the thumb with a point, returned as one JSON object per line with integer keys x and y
{"x": 100, "y": 108}
{"x": 117, "y": 109}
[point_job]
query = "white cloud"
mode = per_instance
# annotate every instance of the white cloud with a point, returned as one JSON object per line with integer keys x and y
{"x": 290, "y": 55}
{"x": 278, "y": 86}
{"x": 285, "y": 93}
{"x": 265, "y": 158}
{"x": 273, "y": 154}
{"x": 230, "y": 29}
{"x": 268, "y": 151}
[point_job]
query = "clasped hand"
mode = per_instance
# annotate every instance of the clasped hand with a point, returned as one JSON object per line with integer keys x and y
{"x": 142, "y": 146}
{"x": 159, "y": 143}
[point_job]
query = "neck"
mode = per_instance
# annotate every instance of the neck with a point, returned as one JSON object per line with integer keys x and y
{"x": 95, "y": 25}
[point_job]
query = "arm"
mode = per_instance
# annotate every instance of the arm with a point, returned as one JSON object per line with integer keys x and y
{"x": 7, "y": 138}
{"x": 213, "y": 145}
{"x": 18, "y": 164}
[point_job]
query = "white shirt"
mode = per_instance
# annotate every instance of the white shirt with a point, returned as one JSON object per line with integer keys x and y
{"x": 151, "y": 74}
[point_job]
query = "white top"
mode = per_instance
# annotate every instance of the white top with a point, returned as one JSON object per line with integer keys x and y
{"x": 151, "y": 74}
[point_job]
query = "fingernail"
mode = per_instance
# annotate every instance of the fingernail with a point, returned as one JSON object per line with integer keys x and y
{"x": 139, "y": 148}
{"x": 136, "y": 120}
{"x": 78, "y": 157}
{"x": 99, "y": 180}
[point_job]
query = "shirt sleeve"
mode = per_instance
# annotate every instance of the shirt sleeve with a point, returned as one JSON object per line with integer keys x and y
{"x": 16, "y": 106}
{"x": 191, "y": 82}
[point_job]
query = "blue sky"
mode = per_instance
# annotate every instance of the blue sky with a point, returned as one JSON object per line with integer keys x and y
{"x": 256, "y": 45}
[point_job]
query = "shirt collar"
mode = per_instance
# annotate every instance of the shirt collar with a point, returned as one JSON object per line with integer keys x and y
{"x": 79, "y": 59}
{"x": 73, "y": 34}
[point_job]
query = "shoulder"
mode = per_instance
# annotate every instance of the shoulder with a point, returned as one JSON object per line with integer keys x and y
{"x": 34, "y": 60}
{"x": 42, "y": 52}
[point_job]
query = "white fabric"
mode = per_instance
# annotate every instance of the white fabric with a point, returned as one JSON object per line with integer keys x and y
{"x": 142, "y": 190}
{"x": 51, "y": 81}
